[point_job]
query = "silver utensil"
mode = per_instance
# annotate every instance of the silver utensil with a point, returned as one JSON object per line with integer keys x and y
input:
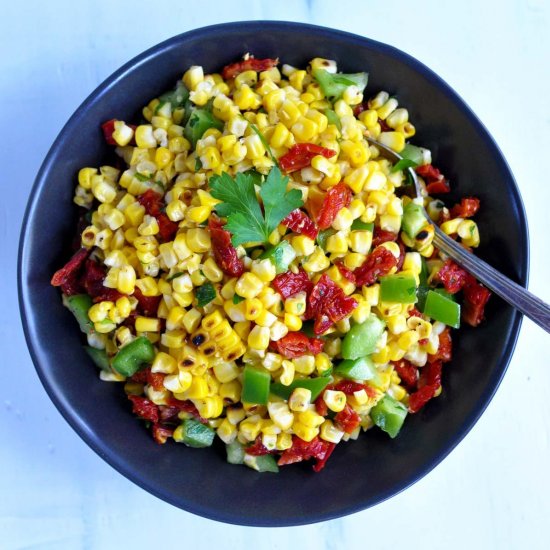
{"x": 511, "y": 292}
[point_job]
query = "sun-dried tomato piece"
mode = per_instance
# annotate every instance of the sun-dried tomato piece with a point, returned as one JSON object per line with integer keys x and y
{"x": 108, "y": 128}
{"x": 378, "y": 263}
{"x": 92, "y": 281}
{"x": 289, "y": 283}
{"x": 144, "y": 408}
{"x": 380, "y": 236}
{"x": 297, "y": 344}
{"x": 155, "y": 379}
{"x": 428, "y": 384}
{"x": 316, "y": 345}
{"x": 320, "y": 406}
{"x": 167, "y": 228}
{"x": 300, "y": 156}
{"x": 250, "y": 64}
{"x": 161, "y": 433}
{"x": 301, "y": 450}
{"x": 475, "y": 299}
{"x": 435, "y": 180}
{"x": 407, "y": 372}
{"x": 452, "y": 276}
{"x": 349, "y": 387}
{"x": 384, "y": 127}
{"x": 420, "y": 397}
{"x": 151, "y": 201}
{"x": 225, "y": 253}
{"x": 344, "y": 271}
{"x": 347, "y": 420}
{"x": 147, "y": 305}
{"x": 445, "y": 350}
{"x": 258, "y": 448}
{"x": 299, "y": 222}
{"x": 140, "y": 377}
{"x": 186, "y": 406}
{"x": 337, "y": 197}
{"x": 68, "y": 277}
{"x": 467, "y": 208}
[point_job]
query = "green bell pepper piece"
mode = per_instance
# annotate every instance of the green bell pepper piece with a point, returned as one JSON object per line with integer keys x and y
{"x": 281, "y": 255}
{"x": 78, "y": 305}
{"x": 323, "y": 236}
{"x": 199, "y": 121}
{"x": 194, "y": 434}
{"x": 412, "y": 157}
{"x": 177, "y": 97}
{"x": 99, "y": 357}
{"x": 357, "y": 369}
{"x": 133, "y": 356}
{"x": 423, "y": 288}
{"x": 255, "y": 386}
{"x": 389, "y": 414}
{"x": 314, "y": 385}
{"x": 398, "y": 288}
{"x": 358, "y": 225}
{"x": 413, "y": 219}
{"x": 235, "y": 452}
{"x": 361, "y": 339}
{"x": 334, "y": 85}
{"x": 333, "y": 118}
{"x": 442, "y": 309}
{"x": 262, "y": 463}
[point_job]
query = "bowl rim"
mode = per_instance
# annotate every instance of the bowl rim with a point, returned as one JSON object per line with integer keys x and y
{"x": 28, "y": 318}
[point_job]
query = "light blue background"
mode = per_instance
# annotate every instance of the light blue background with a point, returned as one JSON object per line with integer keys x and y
{"x": 491, "y": 492}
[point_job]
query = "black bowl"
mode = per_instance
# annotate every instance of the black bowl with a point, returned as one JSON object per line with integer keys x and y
{"x": 359, "y": 474}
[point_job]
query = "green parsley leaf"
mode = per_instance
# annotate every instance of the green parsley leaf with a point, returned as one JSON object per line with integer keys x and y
{"x": 142, "y": 177}
{"x": 205, "y": 294}
{"x": 245, "y": 220}
{"x": 264, "y": 143}
{"x": 237, "y": 299}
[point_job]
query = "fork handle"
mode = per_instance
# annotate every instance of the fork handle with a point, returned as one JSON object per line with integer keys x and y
{"x": 511, "y": 292}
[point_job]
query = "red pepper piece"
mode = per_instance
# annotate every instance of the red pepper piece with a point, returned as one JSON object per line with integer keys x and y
{"x": 428, "y": 383}
{"x": 151, "y": 201}
{"x": 161, "y": 433}
{"x": 344, "y": 271}
{"x": 466, "y": 209}
{"x": 297, "y": 344}
{"x": 378, "y": 263}
{"x": 316, "y": 345}
{"x": 452, "y": 276}
{"x": 144, "y": 408}
{"x": 301, "y": 450}
{"x": 414, "y": 313}
{"x": 148, "y": 305}
{"x": 380, "y": 236}
{"x": 287, "y": 284}
{"x": 384, "y": 125}
{"x": 435, "y": 180}
{"x": 250, "y": 64}
{"x": 407, "y": 372}
{"x": 67, "y": 277}
{"x": 258, "y": 448}
{"x": 337, "y": 197}
{"x": 225, "y": 253}
{"x": 349, "y": 387}
{"x": 299, "y": 222}
{"x": 92, "y": 280}
{"x": 186, "y": 406}
{"x": 475, "y": 298}
{"x": 445, "y": 348}
{"x": 108, "y": 128}
{"x": 300, "y": 156}
{"x": 320, "y": 406}
{"x": 167, "y": 228}
{"x": 420, "y": 397}
{"x": 347, "y": 420}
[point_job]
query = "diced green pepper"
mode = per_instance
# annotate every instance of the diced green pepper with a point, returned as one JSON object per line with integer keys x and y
{"x": 78, "y": 305}
{"x": 334, "y": 85}
{"x": 281, "y": 255}
{"x": 413, "y": 220}
{"x": 323, "y": 236}
{"x": 398, "y": 288}
{"x": 357, "y": 369}
{"x": 133, "y": 356}
{"x": 361, "y": 339}
{"x": 442, "y": 309}
{"x": 199, "y": 121}
{"x": 176, "y": 97}
{"x": 389, "y": 414}
{"x": 99, "y": 357}
{"x": 412, "y": 157}
{"x": 333, "y": 118}
{"x": 262, "y": 463}
{"x": 358, "y": 225}
{"x": 445, "y": 294}
{"x": 235, "y": 452}
{"x": 194, "y": 434}
{"x": 314, "y": 385}
{"x": 255, "y": 386}
{"x": 422, "y": 290}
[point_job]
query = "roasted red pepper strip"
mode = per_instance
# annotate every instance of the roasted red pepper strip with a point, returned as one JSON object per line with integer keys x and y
{"x": 108, "y": 128}
{"x": 380, "y": 236}
{"x": 349, "y": 387}
{"x": 300, "y": 156}
{"x": 287, "y": 284}
{"x": 186, "y": 406}
{"x": 347, "y": 420}
{"x": 475, "y": 299}
{"x": 258, "y": 448}
{"x": 148, "y": 305}
{"x": 153, "y": 204}
{"x": 68, "y": 276}
{"x": 428, "y": 384}
{"x": 92, "y": 280}
{"x": 161, "y": 433}
{"x": 297, "y": 344}
{"x": 337, "y": 197}
{"x": 445, "y": 349}
{"x": 344, "y": 271}
{"x": 435, "y": 180}
{"x": 299, "y": 222}
{"x": 301, "y": 450}
{"x": 144, "y": 408}
{"x": 378, "y": 263}
{"x": 225, "y": 253}
{"x": 250, "y": 64}
{"x": 407, "y": 372}
{"x": 466, "y": 209}
{"x": 452, "y": 276}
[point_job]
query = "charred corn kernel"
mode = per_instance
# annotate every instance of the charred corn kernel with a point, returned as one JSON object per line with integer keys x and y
{"x": 337, "y": 243}
{"x": 232, "y": 354}
{"x": 304, "y": 432}
{"x": 147, "y": 324}
{"x": 296, "y": 305}
{"x": 360, "y": 241}
{"x": 226, "y": 431}
{"x": 299, "y": 400}
{"x": 316, "y": 262}
{"x": 221, "y": 331}
{"x": 144, "y": 136}
{"x": 231, "y": 391}
{"x": 259, "y": 338}
{"x": 253, "y": 308}
{"x": 212, "y": 320}
{"x": 248, "y": 285}
{"x": 450, "y": 227}
{"x": 191, "y": 320}
{"x": 334, "y": 400}
{"x": 198, "y": 240}
{"x": 303, "y": 246}
{"x": 264, "y": 270}
{"x": 293, "y": 322}
{"x": 89, "y": 236}
{"x": 408, "y": 339}
{"x": 469, "y": 233}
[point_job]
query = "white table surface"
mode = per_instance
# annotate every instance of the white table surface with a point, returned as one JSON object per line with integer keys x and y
{"x": 491, "y": 492}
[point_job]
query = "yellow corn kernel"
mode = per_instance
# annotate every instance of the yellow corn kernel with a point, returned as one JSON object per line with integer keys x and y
{"x": 226, "y": 372}
{"x": 242, "y": 329}
{"x": 234, "y": 311}
{"x": 198, "y": 388}
{"x": 266, "y": 319}
{"x": 149, "y": 226}
{"x": 469, "y": 233}
{"x": 299, "y": 400}
{"x": 147, "y": 324}
{"x": 277, "y": 331}
{"x": 322, "y": 363}
{"x": 198, "y": 240}
{"x": 296, "y": 305}
{"x": 304, "y": 129}
{"x": 212, "y": 321}
{"x": 395, "y": 352}
{"x": 144, "y": 136}
{"x": 126, "y": 279}
{"x": 450, "y": 227}
{"x": 293, "y": 322}
{"x": 259, "y": 338}
{"x": 179, "y": 382}
{"x": 289, "y": 113}
{"x": 264, "y": 270}
{"x": 343, "y": 220}
{"x": 253, "y": 308}
{"x": 303, "y": 246}
{"x": 209, "y": 407}
{"x": 245, "y": 99}
{"x": 304, "y": 364}
{"x": 337, "y": 243}
{"x": 250, "y": 427}
{"x": 173, "y": 339}
{"x": 85, "y": 177}
{"x": 397, "y": 324}
{"x": 408, "y": 339}
{"x": 248, "y": 285}
{"x": 198, "y": 214}
{"x": 102, "y": 190}
{"x": 393, "y": 140}
{"x": 316, "y": 262}
{"x": 191, "y": 320}
{"x": 304, "y": 432}
{"x": 254, "y": 147}
{"x": 226, "y": 431}
{"x": 334, "y": 400}
{"x": 329, "y": 432}
{"x": 232, "y": 354}
{"x": 134, "y": 213}
{"x": 279, "y": 136}
{"x": 287, "y": 375}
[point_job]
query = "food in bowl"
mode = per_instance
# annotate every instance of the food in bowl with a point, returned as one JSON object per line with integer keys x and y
{"x": 252, "y": 269}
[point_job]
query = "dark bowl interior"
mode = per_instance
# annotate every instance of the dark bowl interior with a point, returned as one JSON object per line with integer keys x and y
{"x": 359, "y": 474}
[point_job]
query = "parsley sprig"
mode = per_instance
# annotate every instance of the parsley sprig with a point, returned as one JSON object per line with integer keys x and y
{"x": 245, "y": 219}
